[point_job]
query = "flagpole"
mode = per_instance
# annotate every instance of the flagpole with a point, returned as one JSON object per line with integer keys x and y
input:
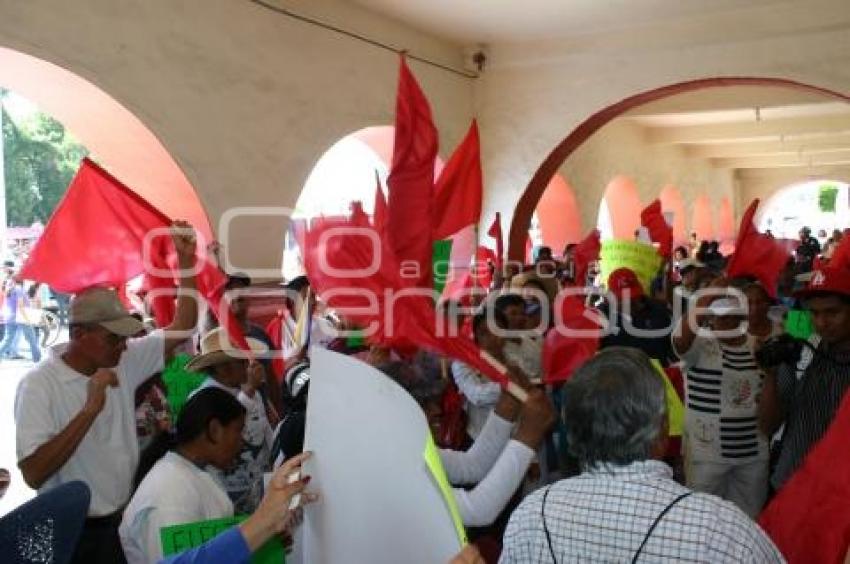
{"x": 475, "y": 255}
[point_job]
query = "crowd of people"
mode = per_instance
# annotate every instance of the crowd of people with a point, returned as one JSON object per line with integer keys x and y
{"x": 173, "y": 425}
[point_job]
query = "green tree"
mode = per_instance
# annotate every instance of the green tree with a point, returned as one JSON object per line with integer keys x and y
{"x": 41, "y": 158}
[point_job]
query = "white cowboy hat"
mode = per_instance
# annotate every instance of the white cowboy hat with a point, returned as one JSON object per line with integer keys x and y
{"x": 217, "y": 348}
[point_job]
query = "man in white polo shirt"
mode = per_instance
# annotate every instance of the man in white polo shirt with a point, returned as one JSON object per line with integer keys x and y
{"x": 74, "y": 411}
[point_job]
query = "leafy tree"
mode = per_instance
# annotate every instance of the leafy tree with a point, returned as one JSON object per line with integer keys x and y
{"x": 41, "y": 158}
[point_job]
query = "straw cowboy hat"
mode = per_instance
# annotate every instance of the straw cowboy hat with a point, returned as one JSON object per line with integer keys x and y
{"x": 216, "y": 348}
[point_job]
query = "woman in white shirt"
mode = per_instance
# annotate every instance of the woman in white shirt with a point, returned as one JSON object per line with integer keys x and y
{"x": 177, "y": 489}
{"x": 496, "y": 463}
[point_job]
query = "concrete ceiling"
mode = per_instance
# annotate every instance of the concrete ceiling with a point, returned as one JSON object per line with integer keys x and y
{"x": 752, "y": 128}
{"x": 490, "y": 21}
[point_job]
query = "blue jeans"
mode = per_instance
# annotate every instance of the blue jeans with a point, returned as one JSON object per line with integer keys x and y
{"x": 12, "y": 338}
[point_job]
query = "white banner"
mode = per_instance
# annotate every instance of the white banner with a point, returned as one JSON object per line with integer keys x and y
{"x": 380, "y": 501}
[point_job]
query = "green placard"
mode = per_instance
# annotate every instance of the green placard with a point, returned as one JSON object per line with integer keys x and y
{"x": 440, "y": 262}
{"x": 178, "y": 538}
{"x": 827, "y": 194}
{"x": 640, "y": 258}
{"x": 798, "y": 323}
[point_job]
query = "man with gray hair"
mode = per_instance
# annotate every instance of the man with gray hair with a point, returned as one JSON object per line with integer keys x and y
{"x": 625, "y": 505}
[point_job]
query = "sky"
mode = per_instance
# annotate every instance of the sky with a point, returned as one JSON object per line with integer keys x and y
{"x": 18, "y": 107}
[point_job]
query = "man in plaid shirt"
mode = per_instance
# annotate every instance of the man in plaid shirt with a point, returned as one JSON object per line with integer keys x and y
{"x": 625, "y": 506}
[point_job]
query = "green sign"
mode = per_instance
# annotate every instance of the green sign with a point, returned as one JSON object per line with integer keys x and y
{"x": 640, "y": 258}
{"x": 441, "y": 263}
{"x": 179, "y": 538}
{"x": 827, "y": 195}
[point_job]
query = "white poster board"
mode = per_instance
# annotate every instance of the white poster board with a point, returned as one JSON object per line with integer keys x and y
{"x": 379, "y": 503}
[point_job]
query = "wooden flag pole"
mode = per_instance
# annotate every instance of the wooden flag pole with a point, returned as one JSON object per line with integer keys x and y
{"x": 512, "y": 387}
{"x": 302, "y": 318}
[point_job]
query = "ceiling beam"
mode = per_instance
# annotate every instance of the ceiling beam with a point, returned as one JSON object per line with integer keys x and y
{"x": 764, "y": 130}
{"x": 727, "y": 98}
{"x": 825, "y": 144}
{"x": 779, "y": 161}
{"x": 788, "y": 175}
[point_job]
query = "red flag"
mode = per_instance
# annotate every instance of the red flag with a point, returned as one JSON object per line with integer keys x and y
{"x": 274, "y": 329}
{"x": 495, "y": 232}
{"x": 411, "y": 179}
{"x": 459, "y": 189}
{"x": 659, "y": 231}
{"x": 809, "y": 519}
{"x": 379, "y": 218}
{"x": 160, "y": 289}
{"x": 96, "y": 237}
{"x": 564, "y": 353}
{"x": 365, "y": 286}
{"x": 584, "y": 253}
{"x": 757, "y": 254}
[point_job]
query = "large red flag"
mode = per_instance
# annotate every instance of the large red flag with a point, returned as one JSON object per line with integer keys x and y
{"x": 96, "y": 237}
{"x": 757, "y": 254}
{"x": 363, "y": 283}
{"x": 584, "y": 253}
{"x": 459, "y": 189}
{"x": 659, "y": 231}
{"x": 411, "y": 180}
{"x": 495, "y": 232}
{"x": 809, "y": 519}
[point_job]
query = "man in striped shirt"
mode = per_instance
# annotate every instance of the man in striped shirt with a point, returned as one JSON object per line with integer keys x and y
{"x": 625, "y": 505}
{"x": 804, "y": 394}
{"x": 725, "y": 452}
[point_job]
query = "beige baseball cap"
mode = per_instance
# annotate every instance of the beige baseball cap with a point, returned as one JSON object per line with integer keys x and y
{"x": 101, "y": 306}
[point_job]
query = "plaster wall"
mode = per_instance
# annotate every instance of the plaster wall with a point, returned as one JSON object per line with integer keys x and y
{"x": 534, "y": 94}
{"x": 620, "y": 149}
{"x": 245, "y": 100}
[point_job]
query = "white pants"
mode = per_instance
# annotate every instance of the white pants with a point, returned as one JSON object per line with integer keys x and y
{"x": 745, "y": 485}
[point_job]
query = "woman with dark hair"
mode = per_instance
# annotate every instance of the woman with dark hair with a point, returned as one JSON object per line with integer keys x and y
{"x": 177, "y": 489}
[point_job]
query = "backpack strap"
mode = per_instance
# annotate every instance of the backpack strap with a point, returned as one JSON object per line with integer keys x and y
{"x": 546, "y": 527}
{"x": 655, "y": 524}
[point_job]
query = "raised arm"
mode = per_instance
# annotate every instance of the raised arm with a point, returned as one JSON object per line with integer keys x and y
{"x": 481, "y": 505}
{"x": 470, "y": 466}
{"x": 186, "y": 316}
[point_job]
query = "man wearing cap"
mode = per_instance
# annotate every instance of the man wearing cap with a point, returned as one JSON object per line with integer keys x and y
{"x": 805, "y": 392}
{"x": 638, "y": 321}
{"x": 75, "y": 413}
{"x": 690, "y": 270}
{"x": 725, "y": 452}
